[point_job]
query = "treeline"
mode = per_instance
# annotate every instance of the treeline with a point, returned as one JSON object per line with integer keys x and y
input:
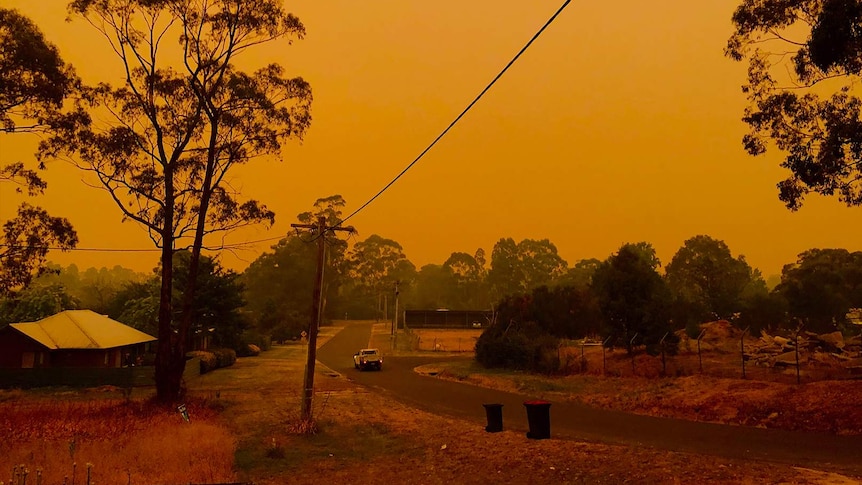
{"x": 535, "y": 294}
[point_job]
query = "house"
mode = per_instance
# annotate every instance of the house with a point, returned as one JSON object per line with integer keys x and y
{"x": 73, "y": 338}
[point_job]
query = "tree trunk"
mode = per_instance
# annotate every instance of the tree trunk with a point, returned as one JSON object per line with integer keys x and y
{"x": 170, "y": 357}
{"x": 167, "y": 382}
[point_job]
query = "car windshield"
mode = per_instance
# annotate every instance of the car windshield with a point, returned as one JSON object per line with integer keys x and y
{"x": 369, "y": 352}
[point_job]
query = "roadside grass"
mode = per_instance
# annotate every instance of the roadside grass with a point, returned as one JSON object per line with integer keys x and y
{"x": 260, "y": 398}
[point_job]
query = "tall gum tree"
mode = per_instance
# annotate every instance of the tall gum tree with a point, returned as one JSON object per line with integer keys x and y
{"x": 163, "y": 143}
{"x": 34, "y": 82}
{"x": 804, "y": 62}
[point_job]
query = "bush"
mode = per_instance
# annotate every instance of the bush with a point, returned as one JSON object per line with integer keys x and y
{"x": 546, "y": 355}
{"x": 693, "y": 329}
{"x": 248, "y": 350}
{"x": 225, "y": 357}
{"x": 520, "y": 349}
{"x": 509, "y": 351}
{"x": 208, "y": 360}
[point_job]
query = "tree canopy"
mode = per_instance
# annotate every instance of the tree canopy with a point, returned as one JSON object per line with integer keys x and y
{"x": 34, "y": 78}
{"x": 822, "y": 286}
{"x": 804, "y": 60}
{"x": 633, "y": 297}
{"x": 34, "y": 81}
{"x": 703, "y": 273}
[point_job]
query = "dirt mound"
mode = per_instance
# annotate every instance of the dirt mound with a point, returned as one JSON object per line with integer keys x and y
{"x": 720, "y": 331}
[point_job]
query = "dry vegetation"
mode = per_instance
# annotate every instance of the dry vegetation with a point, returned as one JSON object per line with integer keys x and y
{"x": 244, "y": 427}
{"x": 767, "y": 397}
{"x": 121, "y": 441}
{"x": 446, "y": 340}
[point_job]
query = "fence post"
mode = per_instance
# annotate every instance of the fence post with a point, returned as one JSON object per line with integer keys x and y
{"x": 796, "y": 344}
{"x": 604, "y": 364}
{"x": 742, "y": 349}
{"x": 632, "y": 347}
{"x": 663, "y": 363}
{"x": 700, "y": 357}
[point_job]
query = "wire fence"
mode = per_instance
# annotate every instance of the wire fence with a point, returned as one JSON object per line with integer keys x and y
{"x": 453, "y": 340}
{"x": 729, "y": 353}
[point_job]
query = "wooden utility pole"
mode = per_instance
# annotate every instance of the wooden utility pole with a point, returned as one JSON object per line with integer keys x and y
{"x": 319, "y": 230}
{"x": 395, "y": 318}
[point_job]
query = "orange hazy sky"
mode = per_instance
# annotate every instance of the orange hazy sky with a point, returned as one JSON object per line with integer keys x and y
{"x": 620, "y": 124}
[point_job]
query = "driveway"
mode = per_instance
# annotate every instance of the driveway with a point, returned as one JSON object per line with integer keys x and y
{"x": 580, "y": 422}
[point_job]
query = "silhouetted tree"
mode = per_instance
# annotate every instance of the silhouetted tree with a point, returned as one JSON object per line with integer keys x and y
{"x": 519, "y": 268}
{"x": 633, "y": 297}
{"x": 703, "y": 275}
{"x": 817, "y": 125}
{"x": 163, "y": 143}
{"x": 822, "y": 286}
{"x": 34, "y": 81}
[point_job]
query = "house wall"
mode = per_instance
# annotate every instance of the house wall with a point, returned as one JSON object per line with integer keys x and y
{"x": 14, "y": 347}
{"x": 86, "y": 358}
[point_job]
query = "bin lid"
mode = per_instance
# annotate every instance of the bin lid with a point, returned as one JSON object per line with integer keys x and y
{"x": 536, "y": 402}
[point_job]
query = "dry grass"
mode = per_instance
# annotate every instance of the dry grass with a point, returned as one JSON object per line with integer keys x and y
{"x": 357, "y": 435}
{"x": 124, "y": 441}
{"x": 447, "y": 340}
{"x": 427, "y": 340}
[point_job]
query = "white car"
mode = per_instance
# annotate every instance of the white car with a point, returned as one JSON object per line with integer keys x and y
{"x": 368, "y": 359}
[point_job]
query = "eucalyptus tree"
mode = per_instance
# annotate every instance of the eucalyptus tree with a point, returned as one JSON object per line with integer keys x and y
{"x": 822, "y": 286}
{"x": 522, "y": 267}
{"x": 704, "y": 275}
{"x": 468, "y": 274}
{"x": 164, "y": 142}
{"x": 279, "y": 283}
{"x": 34, "y": 81}
{"x": 375, "y": 265}
{"x": 804, "y": 64}
{"x": 633, "y": 297}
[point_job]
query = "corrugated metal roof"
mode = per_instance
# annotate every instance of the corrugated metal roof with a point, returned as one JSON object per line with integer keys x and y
{"x": 81, "y": 329}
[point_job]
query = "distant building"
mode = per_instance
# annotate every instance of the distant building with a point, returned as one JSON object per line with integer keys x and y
{"x": 445, "y": 318}
{"x": 73, "y": 338}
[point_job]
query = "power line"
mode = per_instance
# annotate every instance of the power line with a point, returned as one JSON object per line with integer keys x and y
{"x": 386, "y": 187}
{"x": 452, "y": 124}
{"x": 100, "y": 250}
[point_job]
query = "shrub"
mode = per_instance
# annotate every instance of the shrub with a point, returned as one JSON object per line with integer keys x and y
{"x": 208, "y": 360}
{"x": 520, "y": 349}
{"x": 693, "y": 329}
{"x": 248, "y": 350}
{"x": 546, "y": 355}
{"x": 224, "y": 357}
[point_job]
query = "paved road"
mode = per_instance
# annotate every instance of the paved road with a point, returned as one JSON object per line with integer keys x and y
{"x": 576, "y": 421}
